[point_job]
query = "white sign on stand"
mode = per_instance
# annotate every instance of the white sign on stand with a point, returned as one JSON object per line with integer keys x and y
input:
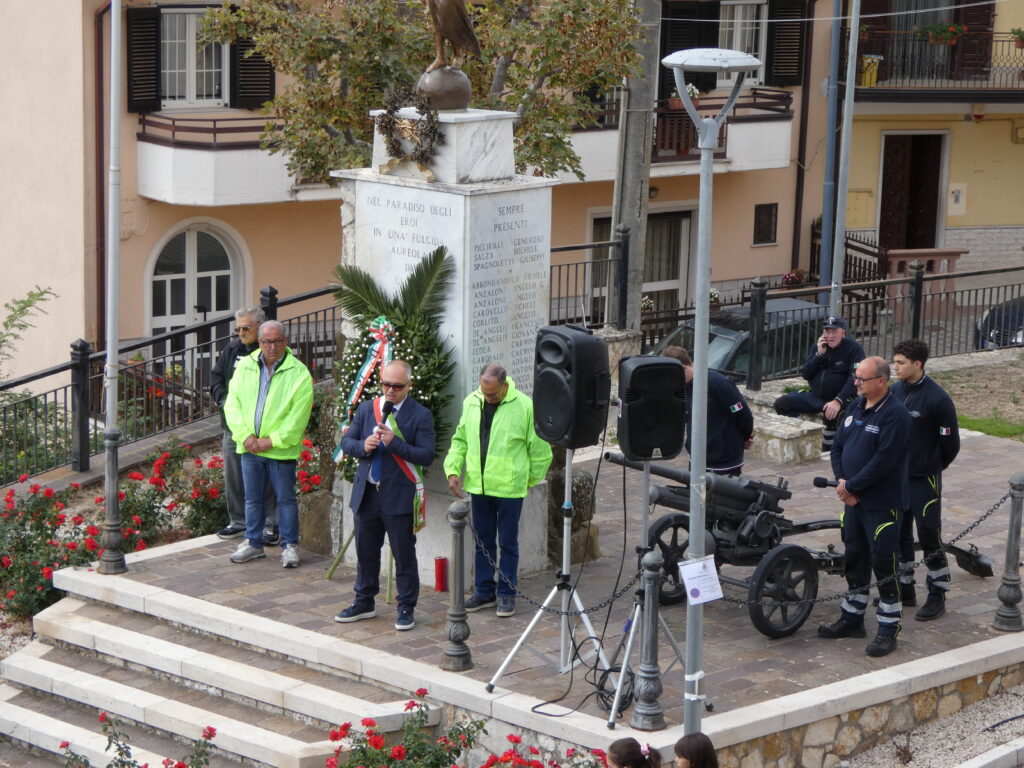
{"x": 701, "y": 579}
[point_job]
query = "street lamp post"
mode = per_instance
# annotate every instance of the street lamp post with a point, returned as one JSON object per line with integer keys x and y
{"x": 702, "y": 60}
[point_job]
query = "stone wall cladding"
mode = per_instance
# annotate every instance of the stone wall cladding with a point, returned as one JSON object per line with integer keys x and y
{"x": 990, "y": 247}
{"x": 827, "y": 742}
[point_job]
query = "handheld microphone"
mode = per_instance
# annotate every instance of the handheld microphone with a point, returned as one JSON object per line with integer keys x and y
{"x": 387, "y": 408}
{"x": 824, "y": 482}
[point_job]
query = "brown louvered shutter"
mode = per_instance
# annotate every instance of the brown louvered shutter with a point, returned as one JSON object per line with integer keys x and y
{"x": 688, "y": 25}
{"x": 785, "y": 43}
{"x": 973, "y": 51}
{"x": 142, "y": 33}
{"x": 252, "y": 76}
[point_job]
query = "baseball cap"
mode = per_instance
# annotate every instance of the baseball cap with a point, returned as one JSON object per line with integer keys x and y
{"x": 835, "y": 322}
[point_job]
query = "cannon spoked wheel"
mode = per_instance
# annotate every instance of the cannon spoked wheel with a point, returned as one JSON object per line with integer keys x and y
{"x": 786, "y": 574}
{"x": 670, "y": 535}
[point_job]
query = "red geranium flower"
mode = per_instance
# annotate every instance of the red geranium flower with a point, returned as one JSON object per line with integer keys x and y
{"x": 398, "y": 752}
{"x": 23, "y": 478}
{"x": 514, "y": 738}
{"x": 47, "y": 572}
{"x": 140, "y": 546}
{"x": 48, "y": 493}
{"x": 103, "y": 717}
{"x": 213, "y": 492}
{"x": 421, "y": 692}
{"x": 63, "y": 745}
{"x": 92, "y": 530}
{"x": 91, "y": 544}
{"x": 369, "y": 722}
{"x": 77, "y": 520}
{"x": 209, "y": 732}
{"x": 136, "y": 476}
{"x": 376, "y": 741}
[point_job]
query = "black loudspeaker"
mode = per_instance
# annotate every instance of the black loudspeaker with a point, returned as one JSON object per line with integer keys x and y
{"x": 571, "y": 385}
{"x": 652, "y": 391}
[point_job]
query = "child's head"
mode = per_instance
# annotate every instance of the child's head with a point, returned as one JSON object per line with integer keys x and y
{"x": 695, "y": 750}
{"x": 628, "y": 753}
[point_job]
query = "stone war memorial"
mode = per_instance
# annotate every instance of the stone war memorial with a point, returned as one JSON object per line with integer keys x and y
{"x": 497, "y": 227}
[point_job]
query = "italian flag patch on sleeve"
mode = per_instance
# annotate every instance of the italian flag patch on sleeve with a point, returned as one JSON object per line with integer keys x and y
{"x": 736, "y": 408}
{"x": 944, "y": 430}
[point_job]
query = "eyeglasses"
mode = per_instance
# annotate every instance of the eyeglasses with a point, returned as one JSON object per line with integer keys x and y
{"x": 862, "y": 379}
{"x": 240, "y": 328}
{"x": 272, "y": 342}
{"x": 392, "y": 385}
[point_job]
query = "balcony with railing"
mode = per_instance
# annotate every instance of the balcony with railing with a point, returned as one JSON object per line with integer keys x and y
{"x": 907, "y": 65}
{"x": 203, "y": 160}
{"x": 757, "y": 134}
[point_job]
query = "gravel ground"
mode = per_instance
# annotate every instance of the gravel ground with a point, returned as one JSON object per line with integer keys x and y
{"x": 953, "y": 740}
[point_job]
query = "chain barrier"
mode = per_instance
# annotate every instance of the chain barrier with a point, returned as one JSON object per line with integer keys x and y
{"x": 842, "y": 595}
{"x": 540, "y": 606}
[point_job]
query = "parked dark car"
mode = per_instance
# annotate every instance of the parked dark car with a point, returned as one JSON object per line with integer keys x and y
{"x": 792, "y": 327}
{"x": 1001, "y": 326}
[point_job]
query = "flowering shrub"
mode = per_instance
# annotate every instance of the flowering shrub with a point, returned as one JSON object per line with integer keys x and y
{"x": 532, "y": 757}
{"x": 415, "y": 749}
{"x": 111, "y": 727}
{"x": 307, "y": 476}
{"x": 206, "y": 506}
{"x": 943, "y": 32}
{"x": 37, "y": 537}
{"x": 792, "y": 279}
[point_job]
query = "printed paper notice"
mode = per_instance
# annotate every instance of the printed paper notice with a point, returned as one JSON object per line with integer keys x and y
{"x": 701, "y": 579}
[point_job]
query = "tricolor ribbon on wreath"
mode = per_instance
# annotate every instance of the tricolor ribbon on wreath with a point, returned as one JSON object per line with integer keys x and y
{"x": 378, "y": 355}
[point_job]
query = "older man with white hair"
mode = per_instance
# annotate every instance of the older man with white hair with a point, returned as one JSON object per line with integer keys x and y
{"x": 267, "y": 409}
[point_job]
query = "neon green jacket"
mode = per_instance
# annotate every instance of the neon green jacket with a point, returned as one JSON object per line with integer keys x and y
{"x": 285, "y": 413}
{"x": 516, "y": 458}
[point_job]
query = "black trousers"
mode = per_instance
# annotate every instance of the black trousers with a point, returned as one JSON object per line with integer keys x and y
{"x": 370, "y": 528}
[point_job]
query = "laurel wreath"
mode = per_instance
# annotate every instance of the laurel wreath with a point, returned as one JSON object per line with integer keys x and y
{"x": 425, "y": 133}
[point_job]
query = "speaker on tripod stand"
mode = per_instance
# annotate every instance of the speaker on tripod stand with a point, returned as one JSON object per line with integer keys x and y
{"x": 571, "y": 386}
{"x": 652, "y": 393}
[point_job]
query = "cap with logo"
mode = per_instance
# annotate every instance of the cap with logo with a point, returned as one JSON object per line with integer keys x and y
{"x": 835, "y": 322}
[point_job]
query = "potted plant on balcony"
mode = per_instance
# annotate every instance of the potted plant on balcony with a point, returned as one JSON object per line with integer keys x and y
{"x": 675, "y": 101}
{"x": 863, "y": 32}
{"x": 1018, "y": 37}
{"x": 943, "y": 33}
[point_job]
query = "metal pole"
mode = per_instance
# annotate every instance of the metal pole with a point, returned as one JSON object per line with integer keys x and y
{"x": 457, "y": 656}
{"x": 916, "y": 270}
{"x": 708, "y": 142}
{"x": 829, "y": 185}
{"x": 838, "y": 242}
{"x": 80, "y": 448}
{"x": 1008, "y": 616}
{"x": 758, "y": 290}
{"x": 565, "y": 637}
{"x": 648, "y": 714}
{"x": 632, "y": 179}
{"x": 112, "y": 559}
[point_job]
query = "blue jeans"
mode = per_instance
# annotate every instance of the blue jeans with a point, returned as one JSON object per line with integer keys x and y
{"x": 496, "y": 517}
{"x": 257, "y": 471}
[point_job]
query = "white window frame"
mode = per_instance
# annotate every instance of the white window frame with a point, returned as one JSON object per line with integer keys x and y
{"x": 191, "y": 101}
{"x": 733, "y": 39}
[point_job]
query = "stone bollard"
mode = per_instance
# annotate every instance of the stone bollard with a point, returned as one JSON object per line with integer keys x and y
{"x": 457, "y": 657}
{"x": 1008, "y": 617}
{"x": 648, "y": 714}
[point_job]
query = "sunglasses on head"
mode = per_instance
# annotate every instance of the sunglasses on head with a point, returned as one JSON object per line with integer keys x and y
{"x": 392, "y": 385}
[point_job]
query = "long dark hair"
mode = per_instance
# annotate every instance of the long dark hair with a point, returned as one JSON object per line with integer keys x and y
{"x": 627, "y": 753}
{"x": 698, "y": 749}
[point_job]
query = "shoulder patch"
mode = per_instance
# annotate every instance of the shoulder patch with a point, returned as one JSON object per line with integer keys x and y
{"x": 848, "y": 422}
{"x": 736, "y": 408}
{"x": 945, "y": 431}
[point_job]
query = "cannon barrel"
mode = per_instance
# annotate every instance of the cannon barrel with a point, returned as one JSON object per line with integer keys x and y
{"x": 741, "y": 490}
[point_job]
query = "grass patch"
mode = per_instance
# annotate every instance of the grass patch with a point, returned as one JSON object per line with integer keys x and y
{"x": 993, "y": 425}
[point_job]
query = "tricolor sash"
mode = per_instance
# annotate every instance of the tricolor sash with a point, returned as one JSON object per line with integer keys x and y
{"x": 412, "y": 471}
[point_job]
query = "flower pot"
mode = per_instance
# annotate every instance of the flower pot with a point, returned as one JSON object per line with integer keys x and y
{"x": 1018, "y": 43}
{"x": 675, "y": 103}
{"x": 943, "y": 41}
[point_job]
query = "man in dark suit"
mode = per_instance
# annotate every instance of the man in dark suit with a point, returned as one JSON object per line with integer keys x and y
{"x": 393, "y": 438}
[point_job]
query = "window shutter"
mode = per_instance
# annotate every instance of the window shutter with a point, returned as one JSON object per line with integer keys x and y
{"x": 785, "y": 43}
{"x": 973, "y": 51}
{"x": 252, "y": 76}
{"x": 688, "y": 25}
{"x": 142, "y": 32}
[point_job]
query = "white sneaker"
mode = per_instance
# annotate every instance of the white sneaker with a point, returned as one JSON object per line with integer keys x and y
{"x": 290, "y": 556}
{"x": 247, "y": 552}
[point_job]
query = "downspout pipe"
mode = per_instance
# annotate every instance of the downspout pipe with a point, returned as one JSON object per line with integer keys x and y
{"x": 801, "y": 153}
{"x": 99, "y": 179}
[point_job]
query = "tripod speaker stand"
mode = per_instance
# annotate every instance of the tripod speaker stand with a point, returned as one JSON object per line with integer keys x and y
{"x": 638, "y": 613}
{"x": 569, "y": 592}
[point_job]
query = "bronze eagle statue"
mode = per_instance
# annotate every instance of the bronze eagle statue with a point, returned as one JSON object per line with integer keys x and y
{"x": 451, "y": 22}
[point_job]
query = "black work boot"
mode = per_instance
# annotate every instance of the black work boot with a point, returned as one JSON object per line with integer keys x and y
{"x": 933, "y": 607}
{"x": 884, "y": 642}
{"x": 848, "y": 625}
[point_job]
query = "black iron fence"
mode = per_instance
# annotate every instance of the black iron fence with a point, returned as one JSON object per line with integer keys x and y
{"x": 953, "y": 319}
{"x": 588, "y": 292}
{"x": 163, "y": 383}
{"x": 907, "y": 59}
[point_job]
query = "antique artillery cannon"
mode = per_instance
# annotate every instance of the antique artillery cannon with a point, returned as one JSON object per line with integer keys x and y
{"x": 744, "y": 526}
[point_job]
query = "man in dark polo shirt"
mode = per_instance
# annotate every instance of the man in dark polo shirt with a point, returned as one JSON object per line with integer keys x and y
{"x": 869, "y": 459}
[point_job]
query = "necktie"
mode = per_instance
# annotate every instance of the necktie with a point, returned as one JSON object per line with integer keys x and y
{"x": 376, "y": 464}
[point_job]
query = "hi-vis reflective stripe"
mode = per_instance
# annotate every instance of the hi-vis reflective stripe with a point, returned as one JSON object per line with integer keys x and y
{"x": 736, "y": 408}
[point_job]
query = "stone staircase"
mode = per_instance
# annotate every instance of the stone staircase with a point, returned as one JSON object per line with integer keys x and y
{"x": 167, "y": 665}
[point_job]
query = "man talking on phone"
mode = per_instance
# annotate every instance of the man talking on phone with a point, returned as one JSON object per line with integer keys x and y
{"x": 829, "y": 371}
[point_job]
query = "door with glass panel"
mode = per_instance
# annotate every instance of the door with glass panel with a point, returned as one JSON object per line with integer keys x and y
{"x": 192, "y": 282}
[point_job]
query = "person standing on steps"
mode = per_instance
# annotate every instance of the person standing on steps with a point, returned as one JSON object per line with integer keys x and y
{"x": 934, "y": 444}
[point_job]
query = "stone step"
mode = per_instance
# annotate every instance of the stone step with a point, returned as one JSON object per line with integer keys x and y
{"x": 243, "y": 731}
{"x": 37, "y": 724}
{"x": 248, "y": 675}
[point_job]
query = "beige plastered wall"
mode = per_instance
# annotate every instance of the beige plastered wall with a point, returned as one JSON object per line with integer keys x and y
{"x": 42, "y": 218}
{"x": 734, "y": 257}
{"x": 983, "y": 162}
